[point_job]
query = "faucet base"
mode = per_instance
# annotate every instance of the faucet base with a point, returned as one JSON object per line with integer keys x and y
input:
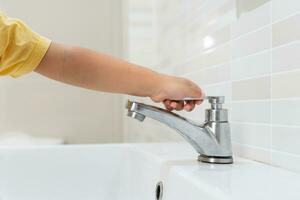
{"x": 215, "y": 159}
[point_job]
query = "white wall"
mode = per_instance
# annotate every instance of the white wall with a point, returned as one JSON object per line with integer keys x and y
{"x": 249, "y": 54}
{"x": 43, "y": 107}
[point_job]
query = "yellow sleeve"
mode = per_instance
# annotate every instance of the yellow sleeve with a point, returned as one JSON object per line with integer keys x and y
{"x": 21, "y": 49}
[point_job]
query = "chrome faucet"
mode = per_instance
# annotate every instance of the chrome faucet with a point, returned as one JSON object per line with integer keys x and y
{"x": 211, "y": 139}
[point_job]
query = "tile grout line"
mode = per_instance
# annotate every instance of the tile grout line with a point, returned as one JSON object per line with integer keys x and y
{"x": 271, "y": 85}
{"x": 251, "y": 78}
{"x": 282, "y": 18}
{"x": 271, "y": 23}
{"x": 251, "y": 123}
{"x": 216, "y": 84}
{"x": 265, "y": 124}
{"x": 231, "y": 60}
{"x": 284, "y": 72}
{"x": 287, "y": 153}
{"x": 230, "y": 76}
{"x": 229, "y": 42}
{"x": 239, "y": 59}
{"x": 191, "y": 58}
{"x": 242, "y": 36}
{"x": 251, "y": 146}
{"x": 224, "y": 64}
{"x": 285, "y": 45}
{"x": 271, "y": 74}
{"x": 266, "y": 100}
{"x": 197, "y": 56}
{"x": 246, "y": 78}
{"x": 244, "y": 57}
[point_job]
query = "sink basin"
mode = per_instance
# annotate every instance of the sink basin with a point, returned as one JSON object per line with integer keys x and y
{"x": 131, "y": 172}
{"x": 109, "y": 172}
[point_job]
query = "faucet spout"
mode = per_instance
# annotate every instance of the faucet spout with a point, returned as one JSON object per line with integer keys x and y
{"x": 205, "y": 138}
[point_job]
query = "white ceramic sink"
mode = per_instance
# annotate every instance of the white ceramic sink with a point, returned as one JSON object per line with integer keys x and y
{"x": 131, "y": 171}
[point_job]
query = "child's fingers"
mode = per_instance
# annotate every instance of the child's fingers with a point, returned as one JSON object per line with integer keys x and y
{"x": 189, "y": 106}
{"x": 167, "y": 104}
{"x": 198, "y": 102}
{"x": 177, "y": 105}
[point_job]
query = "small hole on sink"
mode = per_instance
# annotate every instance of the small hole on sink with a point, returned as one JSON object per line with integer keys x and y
{"x": 159, "y": 190}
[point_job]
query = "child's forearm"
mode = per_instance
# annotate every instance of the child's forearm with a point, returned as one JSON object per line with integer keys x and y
{"x": 92, "y": 70}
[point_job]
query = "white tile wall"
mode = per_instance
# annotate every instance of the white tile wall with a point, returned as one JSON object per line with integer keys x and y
{"x": 247, "y": 134}
{"x": 286, "y": 85}
{"x": 251, "y": 43}
{"x": 286, "y": 112}
{"x": 286, "y": 31}
{"x": 247, "y": 51}
{"x": 286, "y": 58}
{"x": 284, "y": 137}
{"x": 249, "y": 21}
{"x": 212, "y": 75}
{"x": 256, "y": 88}
{"x": 251, "y": 66}
{"x": 253, "y": 111}
{"x": 282, "y": 9}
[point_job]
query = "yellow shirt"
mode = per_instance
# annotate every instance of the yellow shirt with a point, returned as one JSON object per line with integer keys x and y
{"x": 21, "y": 49}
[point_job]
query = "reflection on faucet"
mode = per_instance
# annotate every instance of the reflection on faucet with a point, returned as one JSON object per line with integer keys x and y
{"x": 210, "y": 139}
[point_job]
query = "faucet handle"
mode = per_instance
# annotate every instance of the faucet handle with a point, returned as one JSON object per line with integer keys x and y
{"x": 216, "y": 101}
{"x": 216, "y": 113}
{"x": 211, "y": 99}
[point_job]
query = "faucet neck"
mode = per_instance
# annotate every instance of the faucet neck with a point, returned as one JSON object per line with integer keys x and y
{"x": 216, "y": 115}
{"x": 211, "y": 140}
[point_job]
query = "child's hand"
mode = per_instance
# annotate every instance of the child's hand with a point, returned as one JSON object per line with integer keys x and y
{"x": 172, "y": 89}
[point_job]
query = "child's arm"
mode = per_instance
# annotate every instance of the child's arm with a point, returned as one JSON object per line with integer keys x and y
{"x": 96, "y": 71}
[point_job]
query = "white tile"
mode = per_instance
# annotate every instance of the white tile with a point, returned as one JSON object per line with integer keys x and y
{"x": 252, "y": 43}
{"x": 257, "y": 88}
{"x": 251, "y": 134}
{"x": 286, "y": 112}
{"x": 204, "y": 40}
{"x": 212, "y": 57}
{"x": 255, "y": 65}
{"x": 286, "y": 139}
{"x": 211, "y": 75}
{"x": 259, "y": 112}
{"x": 219, "y": 18}
{"x": 246, "y": 6}
{"x": 215, "y": 56}
{"x": 286, "y": 161}
{"x": 222, "y": 89}
{"x": 286, "y": 85}
{"x": 286, "y": 58}
{"x": 205, "y": 9}
{"x": 286, "y": 31}
{"x": 251, "y": 152}
{"x": 248, "y": 22}
{"x": 284, "y": 8}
